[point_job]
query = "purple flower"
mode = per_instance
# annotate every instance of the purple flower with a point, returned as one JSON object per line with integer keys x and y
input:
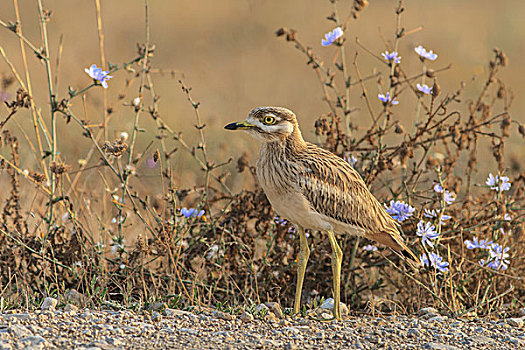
{"x": 424, "y": 88}
{"x": 386, "y": 99}
{"x": 474, "y": 244}
{"x": 191, "y": 212}
{"x": 498, "y": 258}
{"x": 280, "y": 221}
{"x": 370, "y": 248}
{"x": 427, "y": 232}
{"x": 435, "y": 261}
{"x": 498, "y": 183}
{"x": 331, "y": 37}
{"x": 431, "y": 214}
{"x": 399, "y": 210}
{"x": 151, "y": 163}
{"x": 391, "y": 56}
{"x": 449, "y": 197}
{"x": 420, "y": 50}
{"x": 351, "y": 160}
{"x": 507, "y": 217}
{"x": 98, "y": 75}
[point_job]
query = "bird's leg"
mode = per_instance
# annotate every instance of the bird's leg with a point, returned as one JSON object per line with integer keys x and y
{"x": 302, "y": 260}
{"x": 337, "y": 259}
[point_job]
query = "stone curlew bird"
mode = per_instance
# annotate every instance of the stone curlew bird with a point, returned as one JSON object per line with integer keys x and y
{"x": 315, "y": 189}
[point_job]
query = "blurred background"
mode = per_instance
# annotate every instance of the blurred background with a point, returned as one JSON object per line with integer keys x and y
{"x": 228, "y": 53}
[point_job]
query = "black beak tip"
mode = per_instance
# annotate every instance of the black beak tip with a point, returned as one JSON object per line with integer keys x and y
{"x": 231, "y": 126}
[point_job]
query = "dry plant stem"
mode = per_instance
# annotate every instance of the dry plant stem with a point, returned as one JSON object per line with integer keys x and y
{"x": 418, "y": 105}
{"x": 128, "y": 172}
{"x": 346, "y": 77}
{"x": 29, "y": 88}
{"x": 47, "y": 63}
{"x": 102, "y": 62}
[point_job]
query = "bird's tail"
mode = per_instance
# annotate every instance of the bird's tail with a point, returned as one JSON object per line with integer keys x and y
{"x": 395, "y": 241}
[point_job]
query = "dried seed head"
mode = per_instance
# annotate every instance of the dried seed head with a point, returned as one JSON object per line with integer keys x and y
{"x": 432, "y": 162}
{"x": 405, "y": 153}
{"x": 436, "y": 90}
{"x": 430, "y": 73}
{"x": 242, "y": 162}
{"x": 115, "y": 149}
{"x": 58, "y": 168}
{"x": 396, "y": 71}
{"x": 505, "y": 126}
{"x": 472, "y": 160}
{"x": 281, "y": 31}
{"x": 37, "y": 177}
{"x": 521, "y": 130}
{"x": 501, "y": 91}
{"x": 291, "y": 34}
{"x": 399, "y": 128}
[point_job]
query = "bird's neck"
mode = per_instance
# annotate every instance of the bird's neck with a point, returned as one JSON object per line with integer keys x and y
{"x": 293, "y": 142}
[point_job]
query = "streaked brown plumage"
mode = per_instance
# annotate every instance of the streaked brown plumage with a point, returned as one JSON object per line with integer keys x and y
{"x": 315, "y": 189}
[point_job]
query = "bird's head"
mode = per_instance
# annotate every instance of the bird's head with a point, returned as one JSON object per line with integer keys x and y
{"x": 268, "y": 124}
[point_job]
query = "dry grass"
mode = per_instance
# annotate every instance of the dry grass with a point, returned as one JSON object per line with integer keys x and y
{"x": 95, "y": 179}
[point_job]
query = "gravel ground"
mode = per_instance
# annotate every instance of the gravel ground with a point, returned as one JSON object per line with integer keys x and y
{"x": 69, "y": 328}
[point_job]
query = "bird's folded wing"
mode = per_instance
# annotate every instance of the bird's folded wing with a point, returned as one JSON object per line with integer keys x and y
{"x": 333, "y": 188}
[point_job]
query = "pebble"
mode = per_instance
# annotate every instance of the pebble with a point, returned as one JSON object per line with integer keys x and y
{"x": 49, "y": 304}
{"x": 328, "y": 304}
{"x": 276, "y": 309}
{"x": 223, "y": 316}
{"x": 246, "y": 317}
{"x": 516, "y": 322}
{"x": 427, "y": 310}
{"x": 92, "y": 329}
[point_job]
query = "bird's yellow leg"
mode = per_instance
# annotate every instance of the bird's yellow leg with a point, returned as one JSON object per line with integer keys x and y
{"x": 337, "y": 259}
{"x": 302, "y": 260}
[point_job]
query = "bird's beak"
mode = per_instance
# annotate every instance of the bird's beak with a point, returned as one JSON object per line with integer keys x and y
{"x": 244, "y": 125}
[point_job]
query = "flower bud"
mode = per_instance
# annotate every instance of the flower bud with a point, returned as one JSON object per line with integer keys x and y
{"x": 430, "y": 73}
{"x": 436, "y": 90}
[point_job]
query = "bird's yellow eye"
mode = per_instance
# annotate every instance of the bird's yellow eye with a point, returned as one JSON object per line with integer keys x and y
{"x": 269, "y": 120}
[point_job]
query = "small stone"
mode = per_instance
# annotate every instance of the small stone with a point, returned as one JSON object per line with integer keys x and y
{"x": 270, "y": 317}
{"x": 246, "y": 317}
{"x": 516, "y": 322}
{"x": 437, "y": 318}
{"x": 188, "y": 331}
{"x": 276, "y": 309}
{"x": 326, "y": 316}
{"x": 328, "y": 304}
{"x": 156, "y": 317}
{"x": 49, "y": 304}
{"x": 439, "y": 346}
{"x": 16, "y": 316}
{"x": 74, "y": 297}
{"x": 71, "y": 308}
{"x": 223, "y": 316}
{"x": 157, "y": 306}
{"x": 427, "y": 310}
{"x": 19, "y": 331}
{"x": 481, "y": 339}
{"x": 175, "y": 313}
{"x": 5, "y": 346}
{"x": 285, "y": 323}
{"x": 261, "y": 308}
